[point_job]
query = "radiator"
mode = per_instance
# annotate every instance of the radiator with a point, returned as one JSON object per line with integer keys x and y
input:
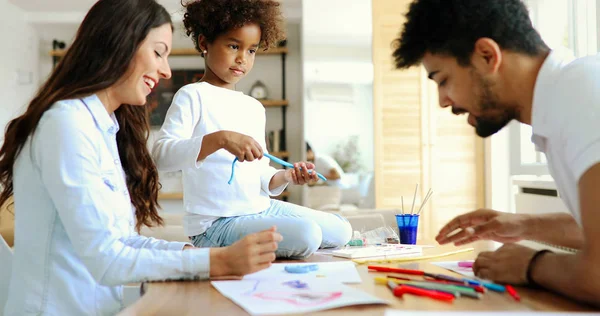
{"x": 538, "y": 195}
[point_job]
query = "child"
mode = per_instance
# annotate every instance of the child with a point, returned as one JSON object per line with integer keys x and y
{"x": 209, "y": 124}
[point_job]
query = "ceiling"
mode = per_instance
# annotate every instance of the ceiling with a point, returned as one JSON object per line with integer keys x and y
{"x": 53, "y": 5}
{"x": 325, "y": 22}
{"x": 291, "y": 8}
{"x": 336, "y": 22}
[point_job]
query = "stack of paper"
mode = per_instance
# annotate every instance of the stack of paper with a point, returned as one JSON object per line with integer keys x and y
{"x": 391, "y": 312}
{"x": 384, "y": 251}
{"x": 453, "y": 266}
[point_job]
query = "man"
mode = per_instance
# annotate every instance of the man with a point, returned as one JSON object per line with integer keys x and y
{"x": 491, "y": 64}
{"x": 326, "y": 166}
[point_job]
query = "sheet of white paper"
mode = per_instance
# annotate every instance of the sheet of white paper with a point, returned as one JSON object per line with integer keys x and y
{"x": 337, "y": 271}
{"x": 291, "y": 296}
{"x": 391, "y": 312}
{"x": 328, "y": 251}
{"x": 453, "y": 266}
{"x": 385, "y": 251}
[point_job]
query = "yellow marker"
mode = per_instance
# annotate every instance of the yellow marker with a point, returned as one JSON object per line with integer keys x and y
{"x": 383, "y": 280}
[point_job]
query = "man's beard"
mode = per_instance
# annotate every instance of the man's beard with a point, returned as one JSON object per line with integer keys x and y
{"x": 490, "y": 124}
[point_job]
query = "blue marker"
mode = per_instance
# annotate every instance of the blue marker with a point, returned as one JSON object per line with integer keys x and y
{"x": 494, "y": 287}
{"x": 472, "y": 282}
{"x": 486, "y": 284}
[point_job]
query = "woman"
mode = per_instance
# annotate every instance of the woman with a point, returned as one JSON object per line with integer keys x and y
{"x": 77, "y": 164}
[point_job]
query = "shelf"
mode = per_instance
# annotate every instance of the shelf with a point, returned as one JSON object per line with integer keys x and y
{"x": 190, "y": 52}
{"x": 170, "y": 196}
{"x": 281, "y": 154}
{"x": 274, "y": 103}
{"x": 57, "y": 53}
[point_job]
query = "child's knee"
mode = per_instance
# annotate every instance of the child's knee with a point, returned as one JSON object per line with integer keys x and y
{"x": 310, "y": 236}
{"x": 305, "y": 240}
{"x": 342, "y": 232}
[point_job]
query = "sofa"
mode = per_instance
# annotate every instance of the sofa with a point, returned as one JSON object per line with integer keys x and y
{"x": 354, "y": 203}
{"x": 361, "y": 220}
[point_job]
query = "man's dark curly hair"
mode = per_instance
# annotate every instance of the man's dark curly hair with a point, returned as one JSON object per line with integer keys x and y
{"x": 212, "y": 18}
{"x": 451, "y": 27}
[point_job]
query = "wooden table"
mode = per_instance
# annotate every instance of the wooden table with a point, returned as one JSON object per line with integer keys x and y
{"x": 200, "y": 298}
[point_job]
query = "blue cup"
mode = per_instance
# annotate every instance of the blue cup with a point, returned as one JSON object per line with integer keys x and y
{"x": 407, "y": 227}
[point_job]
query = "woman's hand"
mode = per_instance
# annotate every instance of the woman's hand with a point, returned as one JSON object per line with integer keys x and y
{"x": 300, "y": 173}
{"x": 252, "y": 253}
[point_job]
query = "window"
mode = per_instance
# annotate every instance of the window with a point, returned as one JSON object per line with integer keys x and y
{"x": 563, "y": 24}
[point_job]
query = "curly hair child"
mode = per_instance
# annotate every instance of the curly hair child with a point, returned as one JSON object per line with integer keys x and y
{"x": 209, "y": 124}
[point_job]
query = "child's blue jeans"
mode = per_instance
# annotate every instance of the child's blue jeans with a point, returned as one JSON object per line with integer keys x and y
{"x": 304, "y": 230}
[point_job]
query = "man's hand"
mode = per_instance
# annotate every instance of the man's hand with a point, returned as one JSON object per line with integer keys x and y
{"x": 505, "y": 265}
{"x": 253, "y": 253}
{"x": 300, "y": 173}
{"x": 484, "y": 224}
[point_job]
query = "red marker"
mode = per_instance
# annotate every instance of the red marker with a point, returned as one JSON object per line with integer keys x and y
{"x": 513, "y": 293}
{"x": 407, "y": 289}
{"x": 396, "y": 270}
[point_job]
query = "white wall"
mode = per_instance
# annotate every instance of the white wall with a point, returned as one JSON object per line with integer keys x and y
{"x": 18, "y": 62}
{"x": 330, "y": 123}
{"x": 338, "y": 76}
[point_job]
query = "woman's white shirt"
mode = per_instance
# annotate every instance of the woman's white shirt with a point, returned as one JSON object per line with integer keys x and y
{"x": 75, "y": 238}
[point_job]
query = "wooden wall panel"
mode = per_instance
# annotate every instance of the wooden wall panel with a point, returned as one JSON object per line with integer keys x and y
{"x": 415, "y": 140}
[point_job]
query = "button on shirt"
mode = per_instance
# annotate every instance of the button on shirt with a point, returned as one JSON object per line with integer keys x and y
{"x": 75, "y": 240}
{"x": 565, "y": 118}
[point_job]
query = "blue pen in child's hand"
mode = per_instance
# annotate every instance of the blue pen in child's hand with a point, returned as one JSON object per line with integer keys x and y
{"x": 274, "y": 159}
{"x": 289, "y": 165}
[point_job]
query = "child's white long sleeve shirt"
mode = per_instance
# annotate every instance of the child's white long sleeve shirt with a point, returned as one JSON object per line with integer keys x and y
{"x": 200, "y": 109}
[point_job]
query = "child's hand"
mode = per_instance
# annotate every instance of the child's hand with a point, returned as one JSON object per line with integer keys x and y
{"x": 300, "y": 175}
{"x": 244, "y": 147}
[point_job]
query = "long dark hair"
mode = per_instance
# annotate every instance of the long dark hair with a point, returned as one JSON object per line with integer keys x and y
{"x": 100, "y": 55}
